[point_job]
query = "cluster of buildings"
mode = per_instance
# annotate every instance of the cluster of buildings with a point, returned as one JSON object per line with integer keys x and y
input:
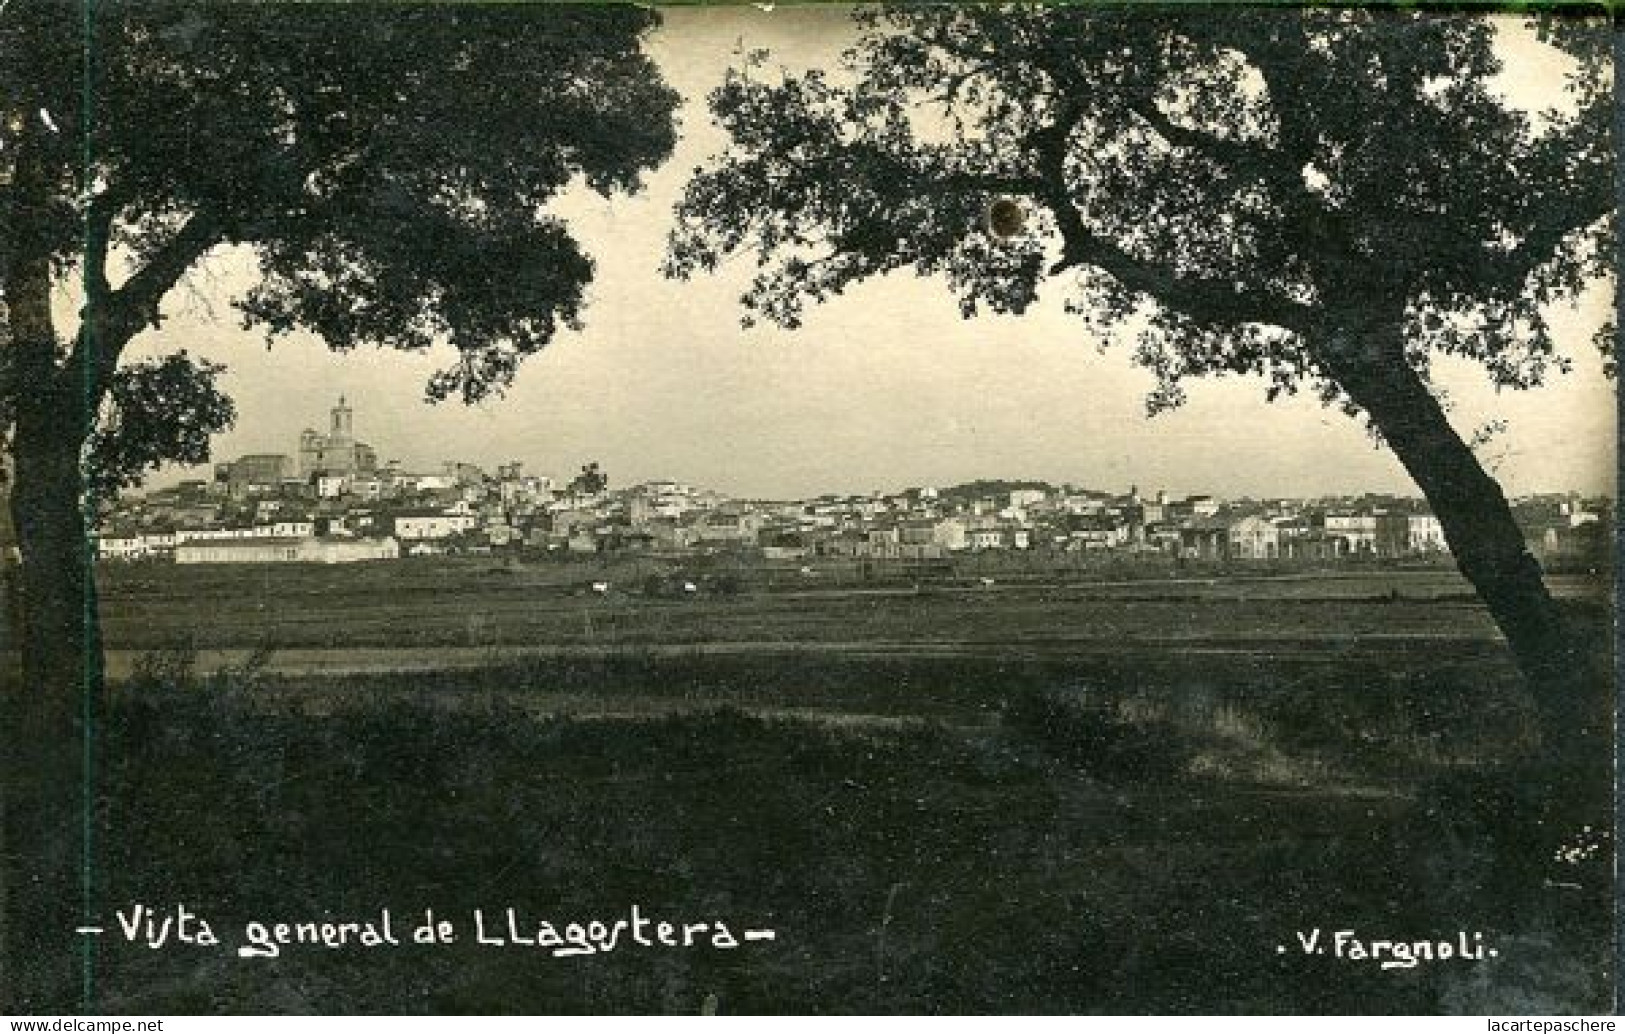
{"x": 334, "y": 502}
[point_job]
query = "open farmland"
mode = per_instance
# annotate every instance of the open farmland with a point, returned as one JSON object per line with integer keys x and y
{"x": 449, "y": 614}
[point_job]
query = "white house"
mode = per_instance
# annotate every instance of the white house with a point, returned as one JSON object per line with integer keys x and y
{"x": 1253, "y": 538}
{"x": 430, "y": 525}
{"x": 285, "y": 550}
{"x": 120, "y": 547}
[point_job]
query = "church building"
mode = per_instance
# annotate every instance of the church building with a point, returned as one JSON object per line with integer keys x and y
{"x": 336, "y": 453}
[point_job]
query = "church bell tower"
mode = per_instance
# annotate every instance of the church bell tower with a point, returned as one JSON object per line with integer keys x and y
{"x": 341, "y": 422}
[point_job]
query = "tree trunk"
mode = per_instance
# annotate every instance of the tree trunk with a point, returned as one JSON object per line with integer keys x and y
{"x": 61, "y": 644}
{"x": 1486, "y": 541}
{"x": 53, "y": 715}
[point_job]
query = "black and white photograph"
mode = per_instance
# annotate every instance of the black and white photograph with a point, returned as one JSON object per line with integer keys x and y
{"x": 935, "y": 509}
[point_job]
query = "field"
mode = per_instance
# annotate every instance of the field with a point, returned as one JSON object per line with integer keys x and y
{"x": 432, "y": 610}
{"x": 1041, "y": 795}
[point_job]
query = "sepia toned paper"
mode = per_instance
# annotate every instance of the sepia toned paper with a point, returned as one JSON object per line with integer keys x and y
{"x": 541, "y": 509}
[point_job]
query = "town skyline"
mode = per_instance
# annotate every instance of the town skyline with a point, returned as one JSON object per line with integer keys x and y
{"x": 302, "y": 463}
{"x": 336, "y": 501}
{"x": 339, "y": 455}
{"x": 1360, "y": 472}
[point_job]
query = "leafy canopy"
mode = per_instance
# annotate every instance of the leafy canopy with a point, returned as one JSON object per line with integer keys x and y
{"x": 1243, "y": 189}
{"x": 389, "y": 165}
{"x": 158, "y": 411}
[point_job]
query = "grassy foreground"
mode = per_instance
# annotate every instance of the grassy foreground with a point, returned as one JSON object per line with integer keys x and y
{"x": 1146, "y": 837}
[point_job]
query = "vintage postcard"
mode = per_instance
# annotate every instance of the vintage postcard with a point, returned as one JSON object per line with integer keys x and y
{"x": 536, "y": 508}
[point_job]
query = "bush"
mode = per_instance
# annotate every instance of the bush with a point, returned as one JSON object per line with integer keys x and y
{"x": 1081, "y": 728}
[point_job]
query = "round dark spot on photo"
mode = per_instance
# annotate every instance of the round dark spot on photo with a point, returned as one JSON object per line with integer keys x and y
{"x": 1006, "y": 218}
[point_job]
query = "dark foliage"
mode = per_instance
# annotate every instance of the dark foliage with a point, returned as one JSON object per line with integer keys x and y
{"x": 157, "y": 411}
{"x": 390, "y": 166}
{"x": 1228, "y": 180}
{"x": 905, "y": 870}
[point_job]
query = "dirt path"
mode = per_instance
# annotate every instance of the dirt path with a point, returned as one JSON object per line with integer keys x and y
{"x": 376, "y": 660}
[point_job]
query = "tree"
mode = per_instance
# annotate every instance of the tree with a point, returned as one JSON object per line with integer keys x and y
{"x": 591, "y": 481}
{"x": 387, "y": 167}
{"x": 1327, "y": 198}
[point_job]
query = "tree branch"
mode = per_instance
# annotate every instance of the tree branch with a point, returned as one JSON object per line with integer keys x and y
{"x": 1203, "y": 299}
{"x": 1562, "y": 208}
{"x": 107, "y": 327}
{"x": 950, "y": 91}
{"x": 1237, "y": 156}
{"x": 100, "y": 215}
{"x": 1276, "y": 60}
{"x": 991, "y": 183}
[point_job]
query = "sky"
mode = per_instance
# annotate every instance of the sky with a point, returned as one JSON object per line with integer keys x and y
{"x": 883, "y": 388}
